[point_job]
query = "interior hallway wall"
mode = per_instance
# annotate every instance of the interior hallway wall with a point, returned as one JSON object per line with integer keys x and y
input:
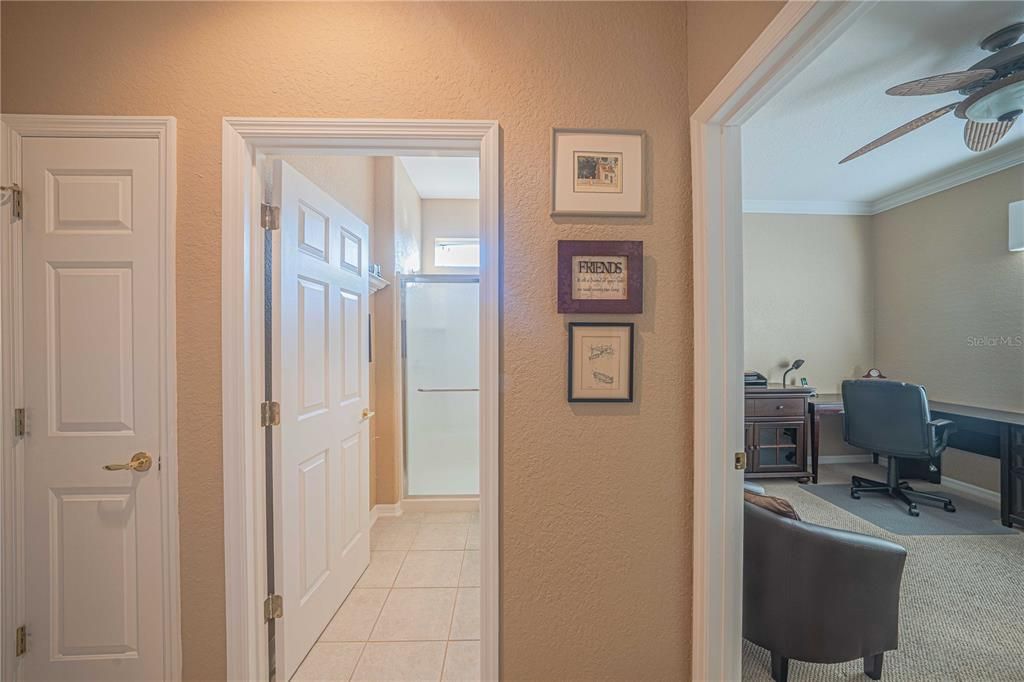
{"x": 596, "y": 532}
{"x": 448, "y": 218}
{"x": 808, "y": 292}
{"x": 950, "y": 302}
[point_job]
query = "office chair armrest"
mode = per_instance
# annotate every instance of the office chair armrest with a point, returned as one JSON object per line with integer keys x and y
{"x": 947, "y": 427}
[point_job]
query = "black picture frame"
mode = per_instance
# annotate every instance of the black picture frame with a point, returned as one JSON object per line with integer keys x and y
{"x": 573, "y": 327}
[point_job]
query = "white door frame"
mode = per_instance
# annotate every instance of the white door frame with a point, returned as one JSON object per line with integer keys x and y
{"x": 800, "y": 32}
{"x": 245, "y": 140}
{"x": 13, "y": 129}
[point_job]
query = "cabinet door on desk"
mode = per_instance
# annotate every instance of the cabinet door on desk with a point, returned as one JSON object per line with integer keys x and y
{"x": 778, "y": 446}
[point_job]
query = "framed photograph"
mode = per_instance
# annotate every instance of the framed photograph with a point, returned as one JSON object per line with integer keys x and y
{"x": 600, "y": 362}
{"x": 597, "y": 172}
{"x": 601, "y": 277}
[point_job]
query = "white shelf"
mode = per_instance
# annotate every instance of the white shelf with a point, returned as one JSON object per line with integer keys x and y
{"x": 377, "y": 283}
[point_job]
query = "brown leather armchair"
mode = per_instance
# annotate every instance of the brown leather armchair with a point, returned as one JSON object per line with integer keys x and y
{"x": 818, "y": 594}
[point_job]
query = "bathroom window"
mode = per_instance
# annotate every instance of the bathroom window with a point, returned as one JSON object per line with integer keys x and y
{"x": 457, "y": 252}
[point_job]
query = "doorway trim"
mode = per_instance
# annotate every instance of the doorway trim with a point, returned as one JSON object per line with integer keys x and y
{"x": 13, "y": 129}
{"x": 245, "y": 141}
{"x": 799, "y": 33}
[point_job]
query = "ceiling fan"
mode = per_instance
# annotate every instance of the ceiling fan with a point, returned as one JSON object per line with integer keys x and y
{"x": 994, "y": 91}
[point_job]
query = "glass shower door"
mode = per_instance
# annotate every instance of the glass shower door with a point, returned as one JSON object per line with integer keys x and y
{"x": 441, "y": 345}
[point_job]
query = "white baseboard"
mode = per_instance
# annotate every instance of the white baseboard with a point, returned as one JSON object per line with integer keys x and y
{"x": 441, "y": 504}
{"x": 990, "y": 497}
{"x": 380, "y": 510}
{"x": 844, "y": 459}
{"x": 981, "y": 494}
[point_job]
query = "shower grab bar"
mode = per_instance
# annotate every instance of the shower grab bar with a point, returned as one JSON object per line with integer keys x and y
{"x": 448, "y": 390}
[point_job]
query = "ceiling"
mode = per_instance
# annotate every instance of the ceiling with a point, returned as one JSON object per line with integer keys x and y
{"x": 792, "y": 145}
{"x": 444, "y": 177}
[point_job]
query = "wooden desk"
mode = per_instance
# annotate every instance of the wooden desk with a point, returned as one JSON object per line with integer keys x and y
{"x": 989, "y": 433}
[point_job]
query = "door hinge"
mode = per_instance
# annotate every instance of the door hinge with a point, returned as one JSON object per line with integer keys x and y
{"x": 270, "y": 217}
{"x": 741, "y": 461}
{"x": 15, "y": 191}
{"x": 273, "y": 607}
{"x": 270, "y": 413}
{"x": 20, "y": 641}
{"x": 19, "y": 422}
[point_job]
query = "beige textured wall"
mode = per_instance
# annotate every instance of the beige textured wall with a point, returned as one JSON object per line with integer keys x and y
{"x": 949, "y": 291}
{"x": 718, "y": 32}
{"x": 448, "y": 218}
{"x": 596, "y": 537}
{"x": 808, "y": 293}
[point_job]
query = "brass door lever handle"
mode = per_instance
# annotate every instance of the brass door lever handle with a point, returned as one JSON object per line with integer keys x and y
{"x": 140, "y": 461}
{"x": 367, "y": 413}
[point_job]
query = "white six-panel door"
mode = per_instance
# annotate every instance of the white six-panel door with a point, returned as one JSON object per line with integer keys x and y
{"x": 321, "y": 378}
{"x": 93, "y": 558}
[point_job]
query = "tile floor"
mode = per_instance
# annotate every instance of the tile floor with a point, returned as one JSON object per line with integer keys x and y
{"x": 415, "y": 612}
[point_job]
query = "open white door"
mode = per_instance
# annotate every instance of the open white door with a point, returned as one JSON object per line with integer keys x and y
{"x": 95, "y": 563}
{"x": 321, "y": 378}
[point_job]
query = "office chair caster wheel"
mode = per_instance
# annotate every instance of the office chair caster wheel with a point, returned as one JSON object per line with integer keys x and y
{"x": 948, "y": 506}
{"x": 854, "y": 494}
{"x": 913, "y": 511}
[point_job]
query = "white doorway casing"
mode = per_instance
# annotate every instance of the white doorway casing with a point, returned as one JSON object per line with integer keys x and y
{"x": 245, "y": 142}
{"x": 799, "y": 32}
{"x": 160, "y": 434}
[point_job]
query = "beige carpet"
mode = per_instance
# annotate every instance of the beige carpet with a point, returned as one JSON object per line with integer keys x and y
{"x": 961, "y": 608}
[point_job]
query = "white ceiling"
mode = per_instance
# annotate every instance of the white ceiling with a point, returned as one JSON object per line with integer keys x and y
{"x": 444, "y": 177}
{"x": 792, "y": 145}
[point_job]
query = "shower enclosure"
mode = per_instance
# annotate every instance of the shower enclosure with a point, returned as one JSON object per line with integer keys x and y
{"x": 441, "y": 384}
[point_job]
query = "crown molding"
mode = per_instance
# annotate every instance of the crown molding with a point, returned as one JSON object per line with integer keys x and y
{"x": 1012, "y": 156}
{"x": 808, "y": 207}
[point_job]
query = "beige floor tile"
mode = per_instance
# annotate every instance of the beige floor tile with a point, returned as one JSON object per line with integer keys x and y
{"x": 430, "y": 569}
{"x": 473, "y": 536}
{"x": 400, "y": 662}
{"x": 462, "y": 662}
{"x": 470, "y": 574}
{"x": 441, "y": 536}
{"x": 329, "y": 661}
{"x": 395, "y": 536}
{"x": 415, "y": 614}
{"x": 354, "y": 620}
{"x": 466, "y": 622}
{"x": 383, "y": 568}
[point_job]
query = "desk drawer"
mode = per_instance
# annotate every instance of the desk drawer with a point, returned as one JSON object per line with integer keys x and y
{"x": 775, "y": 407}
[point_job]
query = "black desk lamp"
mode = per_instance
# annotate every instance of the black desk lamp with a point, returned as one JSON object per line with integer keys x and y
{"x": 797, "y": 364}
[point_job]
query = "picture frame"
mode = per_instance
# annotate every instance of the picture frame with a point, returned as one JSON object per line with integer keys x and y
{"x": 597, "y": 276}
{"x": 598, "y": 172}
{"x": 601, "y": 362}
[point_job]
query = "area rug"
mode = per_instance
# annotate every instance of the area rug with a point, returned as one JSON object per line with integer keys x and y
{"x": 970, "y": 518}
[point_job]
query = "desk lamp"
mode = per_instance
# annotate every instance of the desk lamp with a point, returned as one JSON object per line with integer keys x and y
{"x": 797, "y": 364}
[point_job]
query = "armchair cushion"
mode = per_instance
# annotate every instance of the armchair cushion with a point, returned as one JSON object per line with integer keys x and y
{"x": 775, "y": 505}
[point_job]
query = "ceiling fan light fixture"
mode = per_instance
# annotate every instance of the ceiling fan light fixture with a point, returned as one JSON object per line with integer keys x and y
{"x": 997, "y": 104}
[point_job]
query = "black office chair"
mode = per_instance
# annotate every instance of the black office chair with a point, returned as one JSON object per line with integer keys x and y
{"x": 892, "y": 419}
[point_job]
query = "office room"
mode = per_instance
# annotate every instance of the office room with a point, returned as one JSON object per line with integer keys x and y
{"x": 883, "y": 347}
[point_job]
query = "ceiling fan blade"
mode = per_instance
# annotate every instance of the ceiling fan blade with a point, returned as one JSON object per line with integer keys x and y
{"x": 944, "y": 82}
{"x": 981, "y": 136}
{"x": 901, "y": 131}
